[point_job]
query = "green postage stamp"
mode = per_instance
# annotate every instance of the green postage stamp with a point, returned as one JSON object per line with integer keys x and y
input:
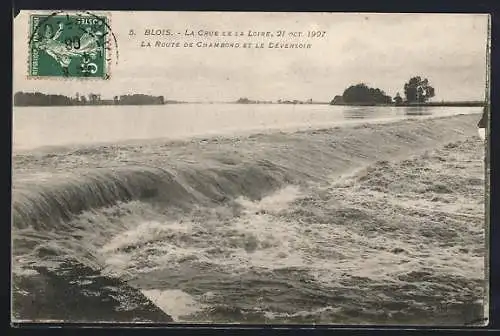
{"x": 69, "y": 45}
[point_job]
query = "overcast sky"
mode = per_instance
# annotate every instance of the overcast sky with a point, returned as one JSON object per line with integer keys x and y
{"x": 381, "y": 50}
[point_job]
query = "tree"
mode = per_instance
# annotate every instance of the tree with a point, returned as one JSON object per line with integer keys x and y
{"x": 41, "y": 99}
{"x": 418, "y": 90}
{"x": 243, "y": 100}
{"x": 140, "y": 99}
{"x": 92, "y": 98}
{"x": 397, "y": 99}
{"x": 337, "y": 100}
{"x": 362, "y": 94}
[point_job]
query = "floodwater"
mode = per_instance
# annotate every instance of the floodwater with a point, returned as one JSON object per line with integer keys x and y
{"x": 376, "y": 223}
{"x": 67, "y": 125}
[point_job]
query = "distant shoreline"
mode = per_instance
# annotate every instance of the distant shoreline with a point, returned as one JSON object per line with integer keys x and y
{"x": 430, "y": 104}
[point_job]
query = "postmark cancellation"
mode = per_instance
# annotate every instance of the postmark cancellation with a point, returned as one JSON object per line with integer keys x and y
{"x": 69, "y": 45}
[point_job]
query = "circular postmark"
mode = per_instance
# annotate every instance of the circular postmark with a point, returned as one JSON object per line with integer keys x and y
{"x": 71, "y": 44}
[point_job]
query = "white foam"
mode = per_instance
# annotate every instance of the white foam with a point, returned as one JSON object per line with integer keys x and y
{"x": 482, "y": 133}
{"x": 274, "y": 203}
{"x": 303, "y": 313}
{"x": 256, "y": 238}
{"x": 263, "y": 237}
{"x": 174, "y": 302}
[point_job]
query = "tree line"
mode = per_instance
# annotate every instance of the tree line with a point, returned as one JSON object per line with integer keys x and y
{"x": 416, "y": 91}
{"x": 41, "y": 99}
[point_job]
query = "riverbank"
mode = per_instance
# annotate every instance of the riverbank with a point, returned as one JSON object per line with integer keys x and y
{"x": 422, "y": 105}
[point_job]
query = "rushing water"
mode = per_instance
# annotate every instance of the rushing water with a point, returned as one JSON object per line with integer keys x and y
{"x": 56, "y": 126}
{"x": 374, "y": 223}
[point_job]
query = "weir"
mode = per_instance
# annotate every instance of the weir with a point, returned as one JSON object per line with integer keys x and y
{"x": 218, "y": 170}
{"x": 183, "y": 176}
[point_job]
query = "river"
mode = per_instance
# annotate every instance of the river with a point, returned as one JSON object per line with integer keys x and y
{"x": 35, "y": 127}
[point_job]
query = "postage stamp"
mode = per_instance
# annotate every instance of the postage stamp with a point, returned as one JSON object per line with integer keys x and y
{"x": 68, "y": 45}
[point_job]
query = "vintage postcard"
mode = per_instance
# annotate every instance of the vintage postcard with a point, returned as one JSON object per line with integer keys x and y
{"x": 250, "y": 168}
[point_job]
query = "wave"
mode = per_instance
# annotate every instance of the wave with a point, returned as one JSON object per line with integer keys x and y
{"x": 68, "y": 195}
{"x": 223, "y": 175}
{"x": 44, "y": 206}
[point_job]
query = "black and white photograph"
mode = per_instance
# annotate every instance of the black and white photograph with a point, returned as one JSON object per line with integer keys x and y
{"x": 257, "y": 168}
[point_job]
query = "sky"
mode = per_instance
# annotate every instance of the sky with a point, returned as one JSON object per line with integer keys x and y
{"x": 380, "y": 50}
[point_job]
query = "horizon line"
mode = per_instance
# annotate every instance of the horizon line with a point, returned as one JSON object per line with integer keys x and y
{"x": 268, "y": 101}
